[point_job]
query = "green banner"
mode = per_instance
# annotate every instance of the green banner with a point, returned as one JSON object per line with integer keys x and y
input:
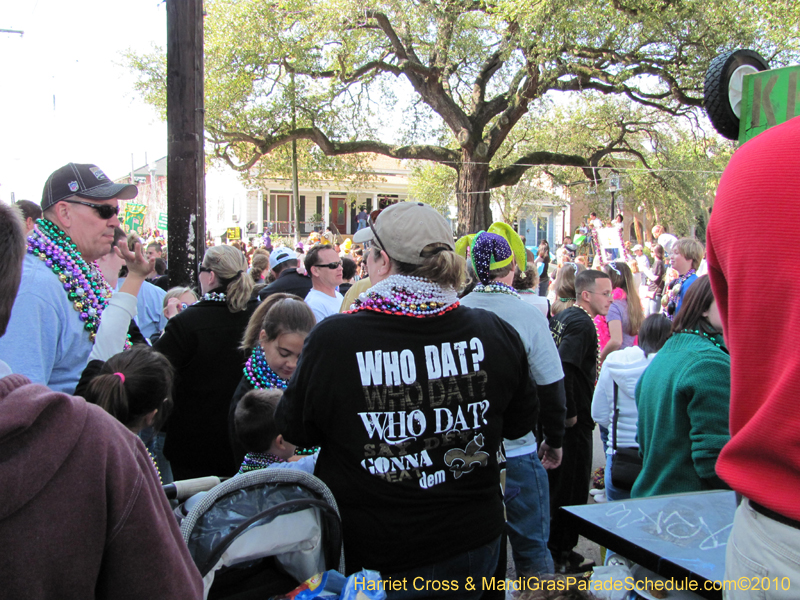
{"x": 769, "y": 98}
{"x": 133, "y": 219}
{"x": 162, "y": 221}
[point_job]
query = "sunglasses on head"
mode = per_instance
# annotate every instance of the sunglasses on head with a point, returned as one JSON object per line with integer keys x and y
{"x": 333, "y": 265}
{"x": 104, "y": 211}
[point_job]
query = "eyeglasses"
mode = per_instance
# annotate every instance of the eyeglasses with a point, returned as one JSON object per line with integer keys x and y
{"x": 604, "y": 294}
{"x": 370, "y": 223}
{"x": 202, "y": 269}
{"x": 104, "y": 211}
{"x": 331, "y": 266}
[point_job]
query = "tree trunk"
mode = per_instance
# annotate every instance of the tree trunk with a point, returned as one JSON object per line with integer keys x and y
{"x": 472, "y": 195}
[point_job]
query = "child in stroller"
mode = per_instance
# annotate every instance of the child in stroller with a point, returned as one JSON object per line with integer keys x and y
{"x": 254, "y": 420}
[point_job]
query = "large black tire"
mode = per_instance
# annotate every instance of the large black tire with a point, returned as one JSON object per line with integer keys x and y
{"x": 716, "y": 88}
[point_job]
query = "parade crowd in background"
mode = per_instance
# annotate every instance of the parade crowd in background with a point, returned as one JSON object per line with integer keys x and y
{"x": 405, "y": 369}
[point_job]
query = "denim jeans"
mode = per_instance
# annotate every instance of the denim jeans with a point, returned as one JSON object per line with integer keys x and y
{"x": 475, "y": 564}
{"x": 613, "y": 493}
{"x": 527, "y": 500}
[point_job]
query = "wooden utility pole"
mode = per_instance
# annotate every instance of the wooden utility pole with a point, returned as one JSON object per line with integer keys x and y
{"x": 186, "y": 194}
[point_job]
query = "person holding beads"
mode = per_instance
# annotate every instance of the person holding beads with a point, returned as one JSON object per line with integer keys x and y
{"x": 202, "y": 343}
{"x": 273, "y": 341}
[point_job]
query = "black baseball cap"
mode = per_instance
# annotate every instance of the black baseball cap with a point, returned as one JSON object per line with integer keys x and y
{"x": 85, "y": 181}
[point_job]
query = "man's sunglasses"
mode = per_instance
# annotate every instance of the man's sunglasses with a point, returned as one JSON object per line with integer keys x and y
{"x": 104, "y": 211}
{"x": 331, "y": 266}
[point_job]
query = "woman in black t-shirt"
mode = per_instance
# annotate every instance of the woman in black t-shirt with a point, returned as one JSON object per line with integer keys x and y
{"x": 410, "y": 410}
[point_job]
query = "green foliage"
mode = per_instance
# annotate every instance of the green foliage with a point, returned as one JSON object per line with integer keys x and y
{"x": 455, "y": 81}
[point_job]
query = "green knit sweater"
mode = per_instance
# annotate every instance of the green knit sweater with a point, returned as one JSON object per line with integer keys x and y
{"x": 683, "y": 399}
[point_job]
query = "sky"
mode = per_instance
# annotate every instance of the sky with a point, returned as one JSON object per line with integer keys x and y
{"x": 65, "y": 95}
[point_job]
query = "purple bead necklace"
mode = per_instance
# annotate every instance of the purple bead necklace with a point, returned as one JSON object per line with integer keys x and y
{"x": 83, "y": 283}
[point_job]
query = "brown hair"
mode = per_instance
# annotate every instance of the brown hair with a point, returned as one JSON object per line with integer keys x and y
{"x": 145, "y": 386}
{"x": 697, "y": 300}
{"x": 12, "y": 248}
{"x": 260, "y": 263}
{"x": 564, "y": 287}
{"x": 658, "y": 251}
{"x": 254, "y": 419}
{"x": 278, "y": 314}
{"x": 440, "y": 265}
{"x": 622, "y": 278}
{"x": 230, "y": 266}
{"x": 530, "y": 278}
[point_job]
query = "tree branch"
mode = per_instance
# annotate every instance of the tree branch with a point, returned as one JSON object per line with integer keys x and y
{"x": 262, "y": 147}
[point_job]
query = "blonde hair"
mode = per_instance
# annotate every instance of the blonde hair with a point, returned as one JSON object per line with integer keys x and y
{"x": 690, "y": 249}
{"x": 230, "y": 266}
{"x": 564, "y": 287}
{"x": 177, "y": 292}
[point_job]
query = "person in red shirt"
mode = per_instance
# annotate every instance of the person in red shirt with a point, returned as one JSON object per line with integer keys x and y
{"x": 762, "y": 460}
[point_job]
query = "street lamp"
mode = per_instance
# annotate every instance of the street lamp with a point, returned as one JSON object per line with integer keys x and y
{"x": 613, "y": 187}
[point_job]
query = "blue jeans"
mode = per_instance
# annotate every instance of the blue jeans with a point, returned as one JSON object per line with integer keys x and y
{"x": 613, "y": 493}
{"x": 475, "y": 564}
{"x": 527, "y": 500}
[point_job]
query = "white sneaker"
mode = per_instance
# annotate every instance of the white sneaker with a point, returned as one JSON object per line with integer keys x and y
{"x": 595, "y": 491}
{"x": 600, "y": 498}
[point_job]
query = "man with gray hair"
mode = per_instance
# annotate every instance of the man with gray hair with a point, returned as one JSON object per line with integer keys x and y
{"x": 62, "y": 294}
{"x": 70, "y": 471}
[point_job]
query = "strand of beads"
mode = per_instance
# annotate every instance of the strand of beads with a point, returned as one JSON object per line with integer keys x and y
{"x": 253, "y": 461}
{"x": 155, "y": 466}
{"x": 408, "y": 296}
{"x": 259, "y": 374}
{"x": 705, "y": 335}
{"x": 83, "y": 283}
{"x": 214, "y": 296}
{"x": 495, "y": 287}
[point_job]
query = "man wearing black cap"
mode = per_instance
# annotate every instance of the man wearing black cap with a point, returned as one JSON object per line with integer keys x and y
{"x": 62, "y": 294}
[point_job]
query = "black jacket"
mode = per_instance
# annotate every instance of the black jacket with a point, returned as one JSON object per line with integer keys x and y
{"x": 288, "y": 282}
{"x": 202, "y": 343}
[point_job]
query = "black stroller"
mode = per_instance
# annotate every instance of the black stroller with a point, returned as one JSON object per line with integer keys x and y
{"x": 263, "y": 533}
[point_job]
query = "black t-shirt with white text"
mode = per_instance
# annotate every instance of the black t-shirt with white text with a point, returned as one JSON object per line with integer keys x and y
{"x": 576, "y": 338}
{"x": 410, "y": 414}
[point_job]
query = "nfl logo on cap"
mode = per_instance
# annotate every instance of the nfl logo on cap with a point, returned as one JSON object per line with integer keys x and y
{"x": 73, "y": 186}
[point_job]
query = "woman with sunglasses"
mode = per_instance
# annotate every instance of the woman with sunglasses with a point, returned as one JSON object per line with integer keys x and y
{"x": 411, "y": 410}
{"x": 202, "y": 343}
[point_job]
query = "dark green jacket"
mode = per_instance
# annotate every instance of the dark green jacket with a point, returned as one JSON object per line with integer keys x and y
{"x": 683, "y": 399}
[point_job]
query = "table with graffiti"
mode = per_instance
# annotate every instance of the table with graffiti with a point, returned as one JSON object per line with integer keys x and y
{"x": 677, "y": 536}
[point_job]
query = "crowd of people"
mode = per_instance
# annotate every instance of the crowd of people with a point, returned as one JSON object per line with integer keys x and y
{"x": 407, "y": 370}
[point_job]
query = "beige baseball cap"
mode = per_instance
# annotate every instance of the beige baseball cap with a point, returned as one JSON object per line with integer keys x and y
{"x": 404, "y": 229}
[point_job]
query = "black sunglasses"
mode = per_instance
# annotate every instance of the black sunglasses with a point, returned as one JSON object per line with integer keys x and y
{"x": 202, "y": 269}
{"x": 331, "y": 266}
{"x": 370, "y": 223}
{"x": 104, "y": 211}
